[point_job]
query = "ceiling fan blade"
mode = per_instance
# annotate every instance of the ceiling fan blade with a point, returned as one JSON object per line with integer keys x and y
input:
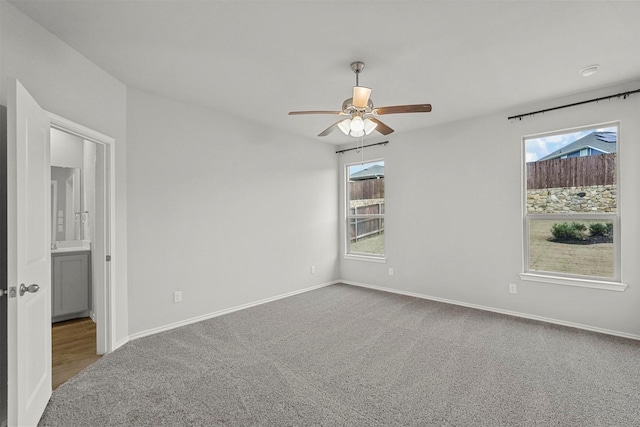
{"x": 381, "y": 127}
{"x": 416, "y": 108}
{"x": 330, "y": 129}
{"x": 361, "y": 96}
{"x": 295, "y": 113}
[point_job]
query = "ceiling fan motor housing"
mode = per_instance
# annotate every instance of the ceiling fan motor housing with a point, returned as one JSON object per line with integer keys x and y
{"x": 349, "y": 108}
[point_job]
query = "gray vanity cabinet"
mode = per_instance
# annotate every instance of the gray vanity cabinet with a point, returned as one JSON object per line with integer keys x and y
{"x": 71, "y": 285}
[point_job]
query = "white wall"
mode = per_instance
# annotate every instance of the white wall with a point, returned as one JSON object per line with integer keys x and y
{"x": 69, "y": 85}
{"x": 468, "y": 246}
{"x": 225, "y": 211}
{"x": 66, "y": 150}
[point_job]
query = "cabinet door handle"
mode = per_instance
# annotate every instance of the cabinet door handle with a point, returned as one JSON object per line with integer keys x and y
{"x": 31, "y": 289}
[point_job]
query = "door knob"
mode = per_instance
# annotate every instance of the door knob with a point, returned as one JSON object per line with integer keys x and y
{"x": 31, "y": 288}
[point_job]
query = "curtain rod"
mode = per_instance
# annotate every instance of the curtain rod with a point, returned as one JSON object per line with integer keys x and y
{"x": 361, "y": 147}
{"x": 619, "y": 95}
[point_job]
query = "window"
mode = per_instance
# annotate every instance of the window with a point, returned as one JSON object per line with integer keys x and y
{"x": 365, "y": 209}
{"x": 571, "y": 218}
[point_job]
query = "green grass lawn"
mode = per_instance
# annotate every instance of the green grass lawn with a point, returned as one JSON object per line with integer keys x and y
{"x": 590, "y": 260}
{"x": 373, "y": 245}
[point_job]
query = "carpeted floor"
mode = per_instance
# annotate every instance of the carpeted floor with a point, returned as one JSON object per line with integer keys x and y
{"x": 349, "y": 356}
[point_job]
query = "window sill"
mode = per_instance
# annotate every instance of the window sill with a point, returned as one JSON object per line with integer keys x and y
{"x": 581, "y": 283}
{"x": 365, "y": 258}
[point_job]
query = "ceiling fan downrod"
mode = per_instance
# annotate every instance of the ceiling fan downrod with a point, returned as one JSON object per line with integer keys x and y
{"x": 357, "y": 68}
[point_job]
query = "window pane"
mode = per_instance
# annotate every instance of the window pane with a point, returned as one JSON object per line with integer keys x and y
{"x": 365, "y": 193}
{"x": 366, "y": 185}
{"x": 572, "y": 172}
{"x": 580, "y": 247}
{"x": 366, "y": 236}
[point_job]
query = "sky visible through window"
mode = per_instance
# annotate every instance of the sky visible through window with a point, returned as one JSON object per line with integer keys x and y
{"x": 536, "y": 148}
{"x": 358, "y": 167}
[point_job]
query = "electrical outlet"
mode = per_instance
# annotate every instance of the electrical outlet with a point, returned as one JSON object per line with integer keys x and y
{"x": 513, "y": 288}
{"x": 390, "y": 271}
{"x": 312, "y": 269}
{"x": 177, "y": 296}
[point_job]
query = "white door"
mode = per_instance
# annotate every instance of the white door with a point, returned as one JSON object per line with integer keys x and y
{"x": 28, "y": 258}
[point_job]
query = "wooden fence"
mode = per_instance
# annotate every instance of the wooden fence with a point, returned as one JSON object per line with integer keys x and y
{"x": 363, "y": 227}
{"x": 572, "y": 172}
{"x": 366, "y": 189}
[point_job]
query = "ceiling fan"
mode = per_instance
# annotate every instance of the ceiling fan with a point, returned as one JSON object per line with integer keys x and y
{"x": 361, "y": 114}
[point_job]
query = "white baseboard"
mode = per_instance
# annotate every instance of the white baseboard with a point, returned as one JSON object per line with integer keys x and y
{"x": 496, "y": 310}
{"x": 120, "y": 344}
{"x": 196, "y": 319}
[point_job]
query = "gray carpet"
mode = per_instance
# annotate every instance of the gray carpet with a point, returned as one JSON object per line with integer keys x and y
{"x": 348, "y": 356}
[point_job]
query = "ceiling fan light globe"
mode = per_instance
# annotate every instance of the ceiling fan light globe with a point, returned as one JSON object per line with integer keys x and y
{"x": 344, "y": 126}
{"x": 357, "y": 133}
{"x": 357, "y": 124}
{"x": 369, "y": 126}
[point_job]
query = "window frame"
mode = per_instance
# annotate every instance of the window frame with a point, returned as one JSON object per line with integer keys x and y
{"x": 569, "y": 279}
{"x": 348, "y": 217}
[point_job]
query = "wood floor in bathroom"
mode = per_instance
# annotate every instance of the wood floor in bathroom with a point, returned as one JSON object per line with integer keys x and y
{"x": 73, "y": 347}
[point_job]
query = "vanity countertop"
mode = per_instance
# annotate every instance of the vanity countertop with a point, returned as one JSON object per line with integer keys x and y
{"x": 67, "y": 250}
{"x": 71, "y": 246}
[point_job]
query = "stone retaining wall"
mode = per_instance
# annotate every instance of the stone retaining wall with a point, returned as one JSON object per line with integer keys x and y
{"x": 365, "y": 202}
{"x": 598, "y": 198}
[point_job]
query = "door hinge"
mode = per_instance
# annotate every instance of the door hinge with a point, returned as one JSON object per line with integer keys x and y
{"x": 108, "y": 258}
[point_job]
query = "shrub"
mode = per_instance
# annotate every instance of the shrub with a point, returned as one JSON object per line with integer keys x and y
{"x": 568, "y": 231}
{"x": 600, "y": 229}
{"x": 609, "y": 228}
{"x": 578, "y": 226}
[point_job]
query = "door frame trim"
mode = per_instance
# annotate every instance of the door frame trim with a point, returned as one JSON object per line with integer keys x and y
{"x": 106, "y": 313}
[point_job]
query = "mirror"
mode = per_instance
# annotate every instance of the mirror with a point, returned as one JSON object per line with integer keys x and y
{"x": 66, "y": 204}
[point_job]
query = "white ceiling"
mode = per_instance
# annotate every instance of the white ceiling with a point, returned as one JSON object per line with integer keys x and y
{"x": 261, "y": 59}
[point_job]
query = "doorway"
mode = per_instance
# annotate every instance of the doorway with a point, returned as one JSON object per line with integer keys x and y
{"x": 27, "y": 255}
{"x": 73, "y": 233}
{"x": 81, "y": 237}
